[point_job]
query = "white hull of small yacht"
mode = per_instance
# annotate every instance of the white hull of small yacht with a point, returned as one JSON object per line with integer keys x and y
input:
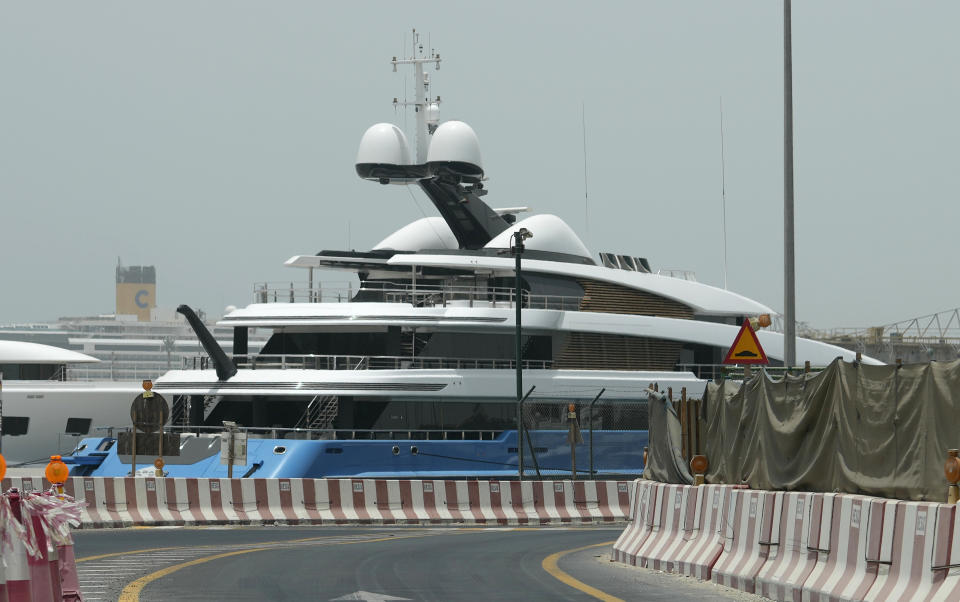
{"x": 49, "y": 406}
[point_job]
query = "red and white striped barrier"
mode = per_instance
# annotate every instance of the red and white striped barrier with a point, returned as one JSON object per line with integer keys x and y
{"x": 642, "y": 509}
{"x": 799, "y": 521}
{"x": 747, "y": 539}
{"x": 859, "y": 529}
{"x": 675, "y": 506}
{"x": 796, "y": 546}
{"x": 946, "y": 553}
{"x": 15, "y": 567}
{"x": 697, "y": 556}
{"x": 116, "y": 502}
{"x": 34, "y": 532}
{"x": 910, "y": 573}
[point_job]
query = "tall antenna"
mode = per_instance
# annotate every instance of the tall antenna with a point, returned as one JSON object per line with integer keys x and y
{"x": 586, "y": 195}
{"x": 723, "y": 196}
{"x": 427, "y": 110}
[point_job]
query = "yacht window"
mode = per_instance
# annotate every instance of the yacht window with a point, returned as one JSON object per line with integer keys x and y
{"x": 78, "y": 426}
{"x": 15, "y": 425}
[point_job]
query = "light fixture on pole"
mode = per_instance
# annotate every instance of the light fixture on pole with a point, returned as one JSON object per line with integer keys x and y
{"x": 516, "y": 247}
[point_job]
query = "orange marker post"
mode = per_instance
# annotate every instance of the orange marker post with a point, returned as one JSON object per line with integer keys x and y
{"x": 3, "y": 467}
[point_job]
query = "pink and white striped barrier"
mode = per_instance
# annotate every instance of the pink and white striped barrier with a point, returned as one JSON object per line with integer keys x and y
{"x": 36, "y": 550}
{"x": 799, "y": 521}
{"x": 946, "y": 553}
{"x": 703, "y": 547}
{"x": 909, "y": 574}
{"x": 859, "y": 529}
{"x": 747, "y": 539}
{"x": 116, "y": 502}
{"x": 796, "y": 546}
{"x": 641, "y": 514}
{"x": 675, "y": 505}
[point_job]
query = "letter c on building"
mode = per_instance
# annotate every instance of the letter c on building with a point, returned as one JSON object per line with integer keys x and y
{"x": 136, "y": 299}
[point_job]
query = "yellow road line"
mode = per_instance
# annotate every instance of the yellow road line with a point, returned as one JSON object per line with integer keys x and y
{"x": 550, "y": 565}
{"x": 131, "y": 593}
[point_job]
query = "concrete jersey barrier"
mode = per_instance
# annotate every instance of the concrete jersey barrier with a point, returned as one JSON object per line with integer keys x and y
{"x": 643, "y": 508}
{"x": 746, "y": 540}
{"x": 117, "y": 502}
{"x": 796, "y": 546}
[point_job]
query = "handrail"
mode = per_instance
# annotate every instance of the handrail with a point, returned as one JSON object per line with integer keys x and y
{"x": 345, "y": 433}
{"x": 364, "y": 362}
{"x": 426, "y": 295}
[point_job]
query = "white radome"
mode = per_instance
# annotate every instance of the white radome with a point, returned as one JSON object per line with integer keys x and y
{"x": 383, "y": 144}
{"x": 425, "y": 233}
{"x": 455, "y": 142}
{"x": 550, "y": 233}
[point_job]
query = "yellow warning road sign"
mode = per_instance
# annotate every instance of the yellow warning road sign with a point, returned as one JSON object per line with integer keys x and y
{"x": 746, "y": 348}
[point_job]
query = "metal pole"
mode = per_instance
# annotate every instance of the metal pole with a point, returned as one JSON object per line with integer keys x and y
{"x": 159, "y": 471}
{"x": 572, "y": 438}
{"x": 230, "y": 455}
{"x": 520, "y": 439}
{"x": 789, "y": 293}
{"x": 521, "y": 431}
{"x": 518, "y": 248}
{"x": 133, "y": 457}
{"x": 595, "y": 399}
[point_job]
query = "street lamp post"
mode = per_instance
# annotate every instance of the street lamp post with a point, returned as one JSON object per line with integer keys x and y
{"x": 517, "y": 248}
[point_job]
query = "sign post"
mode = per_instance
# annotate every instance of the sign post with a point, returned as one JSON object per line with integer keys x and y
{"x": 573, "y": 436}
{"x": 149, "y": 412}
{"x": 233, "y": 447}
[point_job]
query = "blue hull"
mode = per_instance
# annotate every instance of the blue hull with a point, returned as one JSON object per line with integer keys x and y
{"x": 614, "y": 453}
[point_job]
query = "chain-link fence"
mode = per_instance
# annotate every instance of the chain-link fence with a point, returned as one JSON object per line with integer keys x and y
{"x": 586, "y": 438}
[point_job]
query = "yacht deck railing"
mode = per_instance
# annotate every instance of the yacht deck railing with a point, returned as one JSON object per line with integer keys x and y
{"x": 416, "y": 295}
{"x": 363, "y": 362}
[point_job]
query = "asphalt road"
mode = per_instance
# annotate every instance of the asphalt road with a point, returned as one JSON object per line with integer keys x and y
{"x": 347, "y": 563}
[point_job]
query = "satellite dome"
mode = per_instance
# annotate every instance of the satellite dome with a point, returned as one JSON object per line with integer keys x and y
{"x": 425, "y": 233}
{"x": 550, "y": 233}
{"x": 383, "y": 149}
{"x": 455, "y": 150}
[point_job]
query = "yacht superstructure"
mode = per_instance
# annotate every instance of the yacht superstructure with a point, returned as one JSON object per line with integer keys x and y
{"x": 428, "y": 340}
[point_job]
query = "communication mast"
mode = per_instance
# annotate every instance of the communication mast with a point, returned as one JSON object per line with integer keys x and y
{"x": 427, "y": 110}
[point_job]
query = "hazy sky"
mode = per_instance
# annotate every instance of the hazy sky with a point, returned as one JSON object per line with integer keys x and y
{"x": 216, "y": 139}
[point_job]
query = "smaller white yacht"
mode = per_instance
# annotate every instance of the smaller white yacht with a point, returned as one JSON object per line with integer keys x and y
{"x": 44, "y": 411}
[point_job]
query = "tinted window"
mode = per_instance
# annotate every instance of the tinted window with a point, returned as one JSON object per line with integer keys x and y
{"x": 78, "y": 426}
{"x": 15, "y": 425}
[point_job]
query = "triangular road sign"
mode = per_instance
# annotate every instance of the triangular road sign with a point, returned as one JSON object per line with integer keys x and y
{"x": 746, "y": 348}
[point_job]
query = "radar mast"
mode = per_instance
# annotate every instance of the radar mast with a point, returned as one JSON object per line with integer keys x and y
{"x": 427, "y": 111}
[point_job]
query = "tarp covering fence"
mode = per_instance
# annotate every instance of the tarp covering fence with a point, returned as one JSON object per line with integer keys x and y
{"x": 852, "y": 428}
